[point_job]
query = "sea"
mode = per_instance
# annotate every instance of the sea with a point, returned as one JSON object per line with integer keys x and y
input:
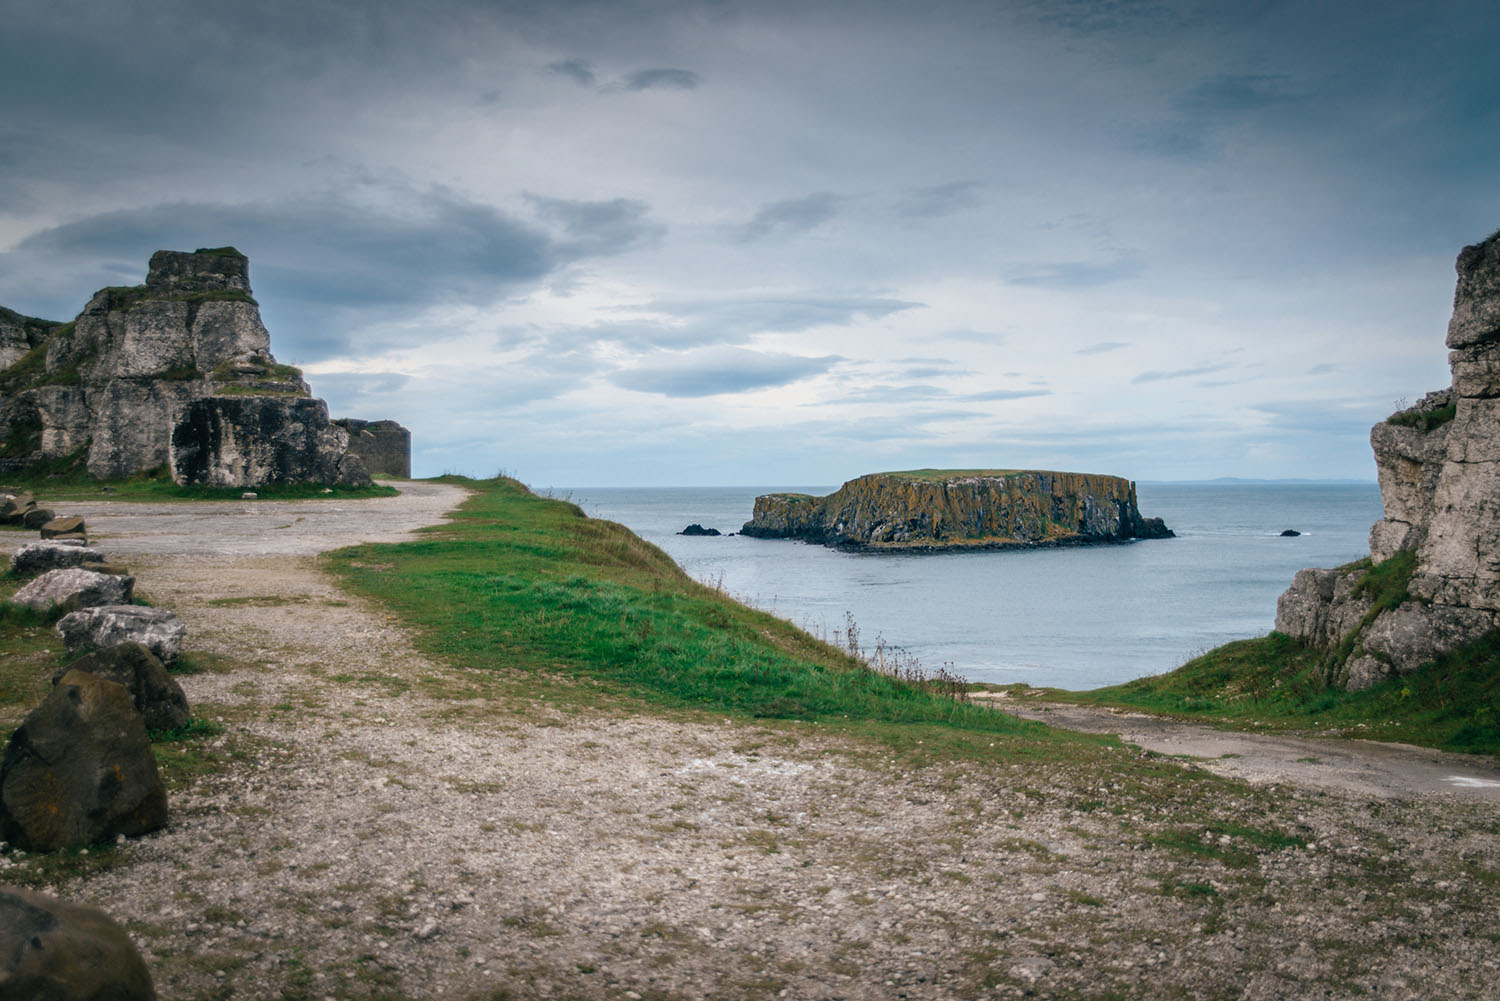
{"x": 1076, "y": 618}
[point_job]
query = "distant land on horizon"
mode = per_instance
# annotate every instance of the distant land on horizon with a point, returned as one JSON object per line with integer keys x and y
{"x": 1217, "y": 480}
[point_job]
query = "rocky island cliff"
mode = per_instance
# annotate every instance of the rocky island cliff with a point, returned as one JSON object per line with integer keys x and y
{"x": 945, "y": 510}
{"x": 175, "y": 373}
{"x": 1432, "y": 580}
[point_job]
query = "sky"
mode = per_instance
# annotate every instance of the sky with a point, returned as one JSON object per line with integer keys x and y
{"x": 763, "y": 243}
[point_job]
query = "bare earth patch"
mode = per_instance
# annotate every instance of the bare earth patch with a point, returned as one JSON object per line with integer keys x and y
{"x": 389, "y": 827}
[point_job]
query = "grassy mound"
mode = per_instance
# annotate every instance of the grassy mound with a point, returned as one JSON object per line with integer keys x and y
{"x": 534, "y": 585}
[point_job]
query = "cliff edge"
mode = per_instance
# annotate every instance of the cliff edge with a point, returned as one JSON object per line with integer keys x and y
{"x": 1432, "y": 580}
{"x": 944, "y": 510}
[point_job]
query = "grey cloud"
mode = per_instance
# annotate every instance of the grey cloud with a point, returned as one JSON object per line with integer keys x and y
{"x": 941, "y": 199}
{"x": 321, "y": 265}
{"x": 1101, "y": 347}
{"x": 976, "y": 336}
{"x": 1005, "y": 394}
{"x": 594, "y": 229}
{"x": 1179, "y": 373}
{"x": 577, "y": 70}
{"x": 711, "y": 373}
{"x": 697, "y": 322}
{"x": 886, "y": 394}
{"x": 673, "y": 79}
{"x": 1324, "y": 369}
{"x": 1075, "y": 274}
{"x": 791, "y": 216}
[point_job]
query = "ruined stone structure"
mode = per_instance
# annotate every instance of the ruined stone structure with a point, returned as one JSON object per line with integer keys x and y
{"x": 960, "y": 509}
{"x": 383, "y": 446}
{"x": 1439, "y": 468}
{"x": 123, "y": 385}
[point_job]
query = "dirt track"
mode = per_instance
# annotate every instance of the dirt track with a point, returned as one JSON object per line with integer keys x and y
{"x": 391, "y": 828}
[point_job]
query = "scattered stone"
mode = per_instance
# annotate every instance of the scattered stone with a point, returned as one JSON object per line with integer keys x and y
{"x": 1290, "y": 533}
{"x": 248, "y": 495}
{"x": 75, "y": 588}
{"x": 80, "y": 770}
{"x": 96, "y": 628}
{"x": 156, "y": 694}
{"x": 15, "y": 505}
{"x": 52, "y": 949}
{"x": 36, "y": 517}
{"x": 68, "y": 525}
{"x": 697, "y": 529}
{"x": 427, "y": 931}
{"x": 54, "y": 554}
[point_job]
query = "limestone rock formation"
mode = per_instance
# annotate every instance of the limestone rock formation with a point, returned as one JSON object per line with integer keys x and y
{"x": 235, "y": 441}
{"x": 945, "y": 510}
{"x": 156, "y": 694}
{"x": 75, "y": 588}
{"x": 111, "y": 386}
{"x": 52, "y": 949}
{"x": 1439, "y": 469}
{"x": 80, "y": 770}
{"x": 96, "y": 628}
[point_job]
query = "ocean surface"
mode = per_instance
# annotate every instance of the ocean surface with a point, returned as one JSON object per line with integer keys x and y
{"x": 1070, "y": 618}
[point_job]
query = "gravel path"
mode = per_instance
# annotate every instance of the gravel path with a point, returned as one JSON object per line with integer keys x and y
{"x": 388, "y": 827}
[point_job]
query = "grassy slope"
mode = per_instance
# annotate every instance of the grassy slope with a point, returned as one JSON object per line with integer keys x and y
{"x": 533, "y": 585}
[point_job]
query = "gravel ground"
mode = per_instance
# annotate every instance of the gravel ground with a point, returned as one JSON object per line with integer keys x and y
{"x": 387, "y": 827}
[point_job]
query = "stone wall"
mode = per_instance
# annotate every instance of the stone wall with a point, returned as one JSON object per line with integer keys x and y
{"x": 1439, "y": 469}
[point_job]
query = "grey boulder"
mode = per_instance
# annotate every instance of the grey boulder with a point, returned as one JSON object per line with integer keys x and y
{"x": 156, "y": 694}
{"x": 95, "y": 628}
{"x": 52, "y": 950}
{"x": 39, "y": 557}
{"x": 75, "y": 588}
{"x": 80, "y": 770}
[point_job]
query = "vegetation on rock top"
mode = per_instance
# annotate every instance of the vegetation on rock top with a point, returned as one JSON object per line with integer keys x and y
{"x": 1424, "y": 420}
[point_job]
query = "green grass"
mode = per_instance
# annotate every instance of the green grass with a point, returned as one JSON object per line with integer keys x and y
{"x": 527, "y": 584}
{"x": 67, "y": 479}
{"x": 939, "y": 475}
{"x": 1279, "y": 682}
{"x": 1424, "y": 420}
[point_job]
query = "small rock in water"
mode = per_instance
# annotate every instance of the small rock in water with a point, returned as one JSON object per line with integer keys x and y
{"x": 697, "y": 529}
{"x": 1290, "y": 533}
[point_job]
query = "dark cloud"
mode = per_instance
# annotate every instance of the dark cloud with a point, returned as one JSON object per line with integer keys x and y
{"x": 324, "y": 265}
{"x": 1004, "y": 394}
{"x": 710, "y": 373}
{"x": 1180, "y": 373}
{"x": 577, "y": 70}
{"x": 672, "y": 79}
{"x": 1212, "y": 106}
{"x": 1101, "y": 347}
{"x": 791, "y": 216}
{"x": 1075, "y": 274}
{"x": 597, "y": 229}
{"x": 940, "y": 200}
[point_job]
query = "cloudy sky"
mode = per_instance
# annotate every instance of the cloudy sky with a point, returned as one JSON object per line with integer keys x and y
{"x": 712, "y": 242}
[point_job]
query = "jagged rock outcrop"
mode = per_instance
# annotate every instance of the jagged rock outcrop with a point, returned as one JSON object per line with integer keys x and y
{"x": 1436, "y": 551}
{"x": 235, "y": 441}
{"x": 111, "y": 385}
{"x": 960, "y": 509}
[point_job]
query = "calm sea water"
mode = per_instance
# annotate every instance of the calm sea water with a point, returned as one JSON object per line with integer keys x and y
{"x": 1071, "y": 618}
